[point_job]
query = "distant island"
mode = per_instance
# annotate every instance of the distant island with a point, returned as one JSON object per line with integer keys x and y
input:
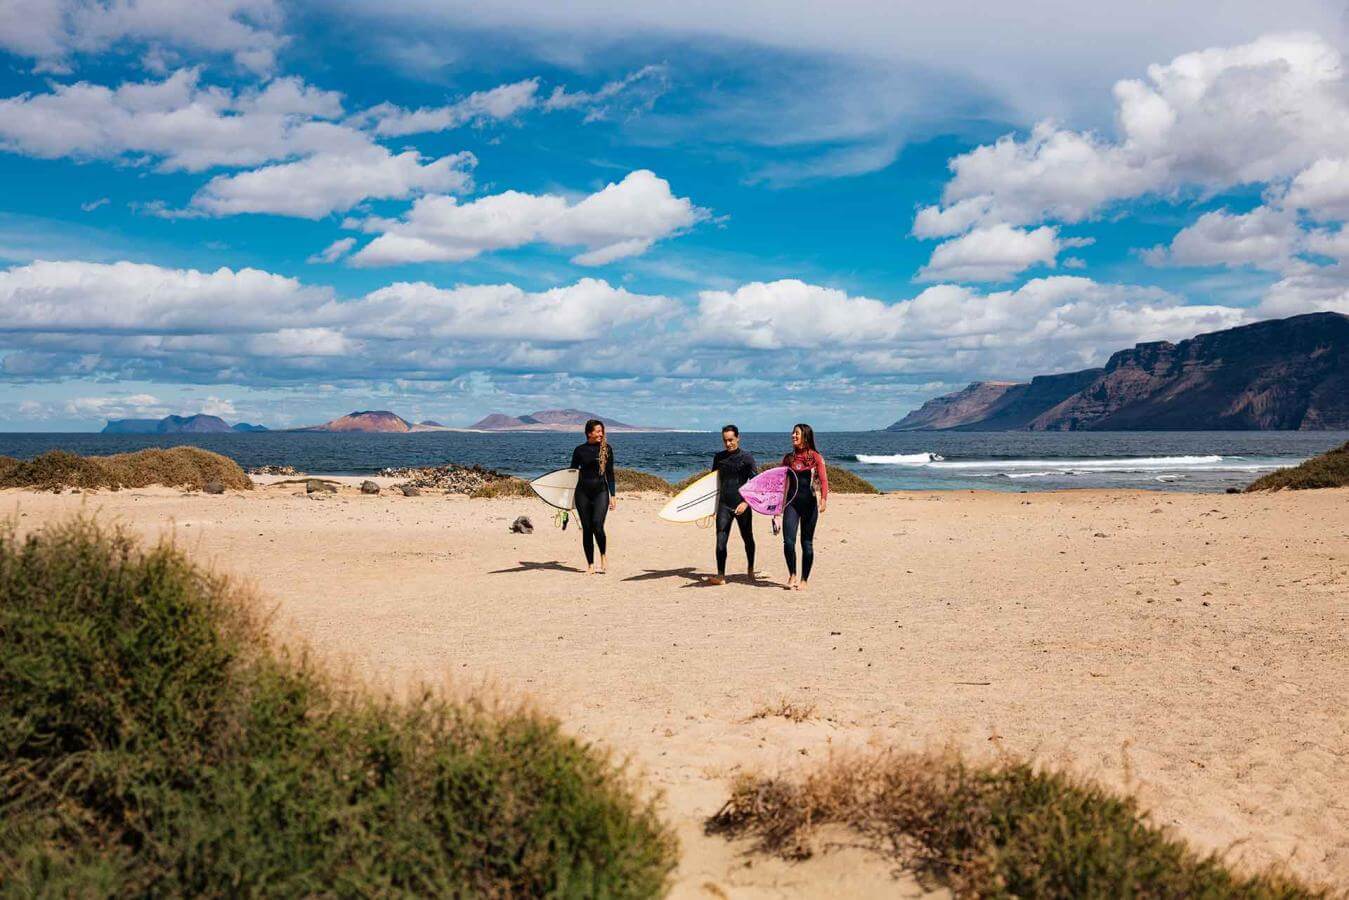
{"x": 197, "y": 424}
{"x": 552, "y": 420}
{"x": 1280, "y": 374}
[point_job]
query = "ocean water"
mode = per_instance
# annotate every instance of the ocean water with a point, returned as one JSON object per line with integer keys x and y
{"x": 1001, "y": 461}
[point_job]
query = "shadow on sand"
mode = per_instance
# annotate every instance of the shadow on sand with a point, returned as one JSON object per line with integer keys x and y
{"x": 552, "y": 565}
{"x": 699, "y": 579}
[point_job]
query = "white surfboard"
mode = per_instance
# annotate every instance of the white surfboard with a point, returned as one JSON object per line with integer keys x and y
{"x": 697, "y": 501}
{"x": 557, "y": 488}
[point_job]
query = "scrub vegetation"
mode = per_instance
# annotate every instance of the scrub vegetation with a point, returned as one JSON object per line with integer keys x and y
{"x": 1330, "y": 469}
{"x": 629, "y": 480}
{"x": 154, "y": 742}
{"x": 1003, "y": 829}
{"x": 189, "y": 467}
{"x": 841, "y": 480}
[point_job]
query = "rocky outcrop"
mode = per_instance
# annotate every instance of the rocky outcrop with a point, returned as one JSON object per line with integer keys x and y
{"x": 1279, "y": 374}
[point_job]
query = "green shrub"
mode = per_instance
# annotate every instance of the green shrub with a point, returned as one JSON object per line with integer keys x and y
{"x": 189, "y": 467}
{"x": 841, "y": 481}
{"x": 998, "y": 830}
{"x": 153, "y": 743}
{"x": 632, "y": 480}
{"x": 1328, "y": 470}
{"x": 509, "y": 486}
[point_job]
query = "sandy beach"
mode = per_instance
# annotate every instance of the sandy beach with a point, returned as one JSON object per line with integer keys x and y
{"x": 1191, "y": 649}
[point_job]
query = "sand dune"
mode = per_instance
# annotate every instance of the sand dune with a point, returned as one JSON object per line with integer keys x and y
{"x": 1190, "y": 648}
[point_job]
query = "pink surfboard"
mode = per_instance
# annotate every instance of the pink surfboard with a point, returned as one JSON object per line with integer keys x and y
{"x": 764, "y": 492}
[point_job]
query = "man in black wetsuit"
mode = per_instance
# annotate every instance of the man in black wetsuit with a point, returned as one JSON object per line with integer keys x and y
{"x": 734, "y": 467}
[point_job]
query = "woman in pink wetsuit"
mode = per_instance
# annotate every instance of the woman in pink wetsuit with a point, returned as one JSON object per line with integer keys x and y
{"x": 804, "y": 510}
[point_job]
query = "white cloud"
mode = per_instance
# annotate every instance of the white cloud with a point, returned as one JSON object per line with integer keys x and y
{"x": 219, "y": 406}
{"x": 994, "y": 253}
{"x": 638, "y": 89}
{"x": 334, "y": 251}
{"x": 135, "y": 406}
{"x": 179, "y": 122}
{"x": 1060, "y": 321}
{"x": 92, "y": 205}
{"x": 136, "y": 298}
{"x": 1322, "y": 189}
{"x": 1211, "y": 119}
{"x": 135, "y": 320}
{"x": 497, "y": 104}
{"x": 331, "y": 182}
{"x": 622, "y": 219}
{"x": 579, "y": 312}
{"x": 51, "y": 31}
{"x": 1264, "y": 237}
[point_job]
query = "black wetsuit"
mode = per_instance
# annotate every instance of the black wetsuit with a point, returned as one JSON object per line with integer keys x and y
{"x": 734, "y": 469}
{"x": 593, "y": 490}
{"x": 802, "y": 512}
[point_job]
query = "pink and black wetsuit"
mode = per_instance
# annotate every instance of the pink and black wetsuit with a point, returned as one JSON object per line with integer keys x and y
{"x": 804, "y": 510}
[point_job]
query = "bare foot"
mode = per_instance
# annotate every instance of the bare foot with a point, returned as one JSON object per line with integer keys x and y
{"x": 590, "y": 570}
{"x": 717, "y": 579}
{"x": 604, "y": 565}
{"x": 801, "y": 586}
{"x": 791, "y": 582}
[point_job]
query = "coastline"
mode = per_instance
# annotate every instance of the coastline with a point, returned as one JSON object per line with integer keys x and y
{"x": 1181, "y": 647}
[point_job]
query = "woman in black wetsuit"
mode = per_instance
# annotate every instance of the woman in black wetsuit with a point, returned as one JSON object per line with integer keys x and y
{"x": 804, "y": 510}
{"x": 595, "y": 491}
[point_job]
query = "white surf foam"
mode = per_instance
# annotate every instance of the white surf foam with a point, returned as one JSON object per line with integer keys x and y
{"x": 899, "y": 459}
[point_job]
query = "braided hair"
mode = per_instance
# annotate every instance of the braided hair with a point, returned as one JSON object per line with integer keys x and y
{"x": 604, "y": 442}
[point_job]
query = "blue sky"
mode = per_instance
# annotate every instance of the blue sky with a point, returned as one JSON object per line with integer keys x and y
{"x": 280, "y": 212}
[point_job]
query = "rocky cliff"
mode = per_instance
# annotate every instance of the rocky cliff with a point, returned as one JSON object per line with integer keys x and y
{"x": 1279, "y": 374}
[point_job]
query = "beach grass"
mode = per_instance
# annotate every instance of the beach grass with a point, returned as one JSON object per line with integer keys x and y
{"x": 1002, "y": 829}
{"x": 154, "y": 742}
{"x": 1330, "y": 469}
{"x": 188, "y": 467}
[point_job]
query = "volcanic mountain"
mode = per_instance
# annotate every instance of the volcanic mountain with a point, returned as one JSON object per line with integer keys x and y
{"x": 1278, "y": 374}
{"x": 552, "y": 420}
{"x": 368, "y": 420}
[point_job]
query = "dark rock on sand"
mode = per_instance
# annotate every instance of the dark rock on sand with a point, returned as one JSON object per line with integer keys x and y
{"x": 315, "y": 486}
{"x": 410, "y": 490}
{"x": 522, "y": 525}
{"x": 213, "y": 487}
{"x": 369, "y": 487}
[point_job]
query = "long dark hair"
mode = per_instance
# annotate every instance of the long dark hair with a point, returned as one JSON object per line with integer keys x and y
{"x": 591, "y": 425}
{"x": 807, "y": 435}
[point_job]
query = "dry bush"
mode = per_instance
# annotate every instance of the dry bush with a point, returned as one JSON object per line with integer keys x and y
{"x": 189, "y": 467}
{"x": 1002, "y": 829}
{"x": 1330, "y": 469}
{"x": 792, "y": 710}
